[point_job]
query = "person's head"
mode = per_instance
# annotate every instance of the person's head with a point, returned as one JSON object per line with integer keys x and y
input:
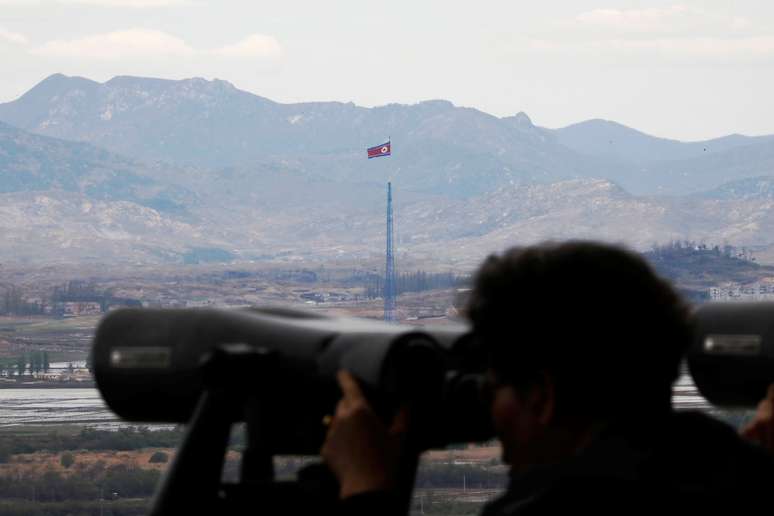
{"x": 576, "y": 333}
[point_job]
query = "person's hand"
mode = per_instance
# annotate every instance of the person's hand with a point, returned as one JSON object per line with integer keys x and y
{"x": 761, "y": 428}
{"x": 359, "y": 449}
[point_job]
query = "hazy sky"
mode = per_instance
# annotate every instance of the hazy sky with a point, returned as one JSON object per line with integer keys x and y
{"x": 686, "y": 70}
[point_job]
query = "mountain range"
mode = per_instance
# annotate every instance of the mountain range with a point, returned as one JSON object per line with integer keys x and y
{"x": 169, "y": 166}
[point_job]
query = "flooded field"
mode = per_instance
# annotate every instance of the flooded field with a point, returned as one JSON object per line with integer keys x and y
{"x": 54, "y": 407}
{"x": 686, "y": 395}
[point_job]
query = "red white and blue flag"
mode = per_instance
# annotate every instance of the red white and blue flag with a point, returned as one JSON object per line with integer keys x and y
{"x": 384, "y": 149}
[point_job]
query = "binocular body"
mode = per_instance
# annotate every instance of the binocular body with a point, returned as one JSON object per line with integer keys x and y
{"x": 151, "y": 366}
{"x": 731, "y": 358}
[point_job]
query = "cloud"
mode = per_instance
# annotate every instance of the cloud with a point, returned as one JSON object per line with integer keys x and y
{"x": 253, "y": 46}
{"x": 675, "y": 32}
{"x": 632, "y": 19}
{"x": 658, "y": 20}
{"x": 153, "y": 44}
{"x": 132, "y": 43}
{"x": 97, "y": 3}
{"x": 704, "y": 48}
{"x": 125, "y": 3}
{"x": 740, "y": 23}
{"x": 12, "y": 37}
{"x": 20, "y": 3}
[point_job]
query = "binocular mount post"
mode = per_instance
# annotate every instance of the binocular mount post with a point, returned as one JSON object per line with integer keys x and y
{"x": 192, "y": 485}
{"x": 235, "y": 378}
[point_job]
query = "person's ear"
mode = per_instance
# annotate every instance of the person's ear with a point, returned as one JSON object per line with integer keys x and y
{"x": 542, "y": 399}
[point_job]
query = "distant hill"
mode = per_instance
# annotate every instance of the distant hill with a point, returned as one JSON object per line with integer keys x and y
{"x": 708, "y": 172}
{"x": 150, "y": 170}
{"x": 30, "y": 163}
{"x": 753, "y": 188}
{"x": 66, "y": 227}
{"x": 651, "y": 165}
{"x": 605, "y": 138}
{"x": 697, "y": 267}
{"x": 439, "y": 148}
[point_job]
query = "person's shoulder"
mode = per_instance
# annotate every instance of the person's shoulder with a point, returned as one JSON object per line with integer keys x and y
{"x": 373, "y": 503}
{"x": 690, "y": 461}
{"x": 717, "y": 445}
{"x": 616, "y": 495}
{"x": 706, "y": 463}
{"x": 580, "y": 495}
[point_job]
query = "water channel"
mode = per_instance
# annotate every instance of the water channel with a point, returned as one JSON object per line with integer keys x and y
{"x": 84, "y": 406}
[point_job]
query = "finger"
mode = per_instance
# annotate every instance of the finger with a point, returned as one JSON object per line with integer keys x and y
{"x": 759, "y": 435}
{"x": 768, "y": 407}
{"x": 751, "y": 433}
{"x": 342, "y": 411}
{"x": 400, "y": 422}
{"x": 753, "y": 430}
{"x": 746, "y": 431}
{"x": 764, "y": 434}
{"x": 349, "y": 387}
{"x": 770, "y": 392}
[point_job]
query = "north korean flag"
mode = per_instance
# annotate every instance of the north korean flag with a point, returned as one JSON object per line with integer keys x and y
{"x": 384, "y": 149}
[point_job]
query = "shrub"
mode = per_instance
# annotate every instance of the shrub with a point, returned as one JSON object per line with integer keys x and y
{"x": 130, "y": 482}
{"x": 66, "y": 459}
{"x": 159, "y": 457}
{"x": 5, "y": 453}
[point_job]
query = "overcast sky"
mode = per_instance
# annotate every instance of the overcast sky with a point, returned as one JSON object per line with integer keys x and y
{"x": 686, "y": 70}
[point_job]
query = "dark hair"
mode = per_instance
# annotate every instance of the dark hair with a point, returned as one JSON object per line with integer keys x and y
{"x": 596, "y": 317}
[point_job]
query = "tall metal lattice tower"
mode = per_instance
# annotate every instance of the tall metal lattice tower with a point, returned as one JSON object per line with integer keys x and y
{"x": 389, "y": 276}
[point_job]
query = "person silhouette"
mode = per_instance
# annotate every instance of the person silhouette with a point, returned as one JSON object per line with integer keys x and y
{"x": 584, "y": 342}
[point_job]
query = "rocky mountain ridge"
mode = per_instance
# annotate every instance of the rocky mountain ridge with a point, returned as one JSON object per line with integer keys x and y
{"x": 213, "y": 167}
